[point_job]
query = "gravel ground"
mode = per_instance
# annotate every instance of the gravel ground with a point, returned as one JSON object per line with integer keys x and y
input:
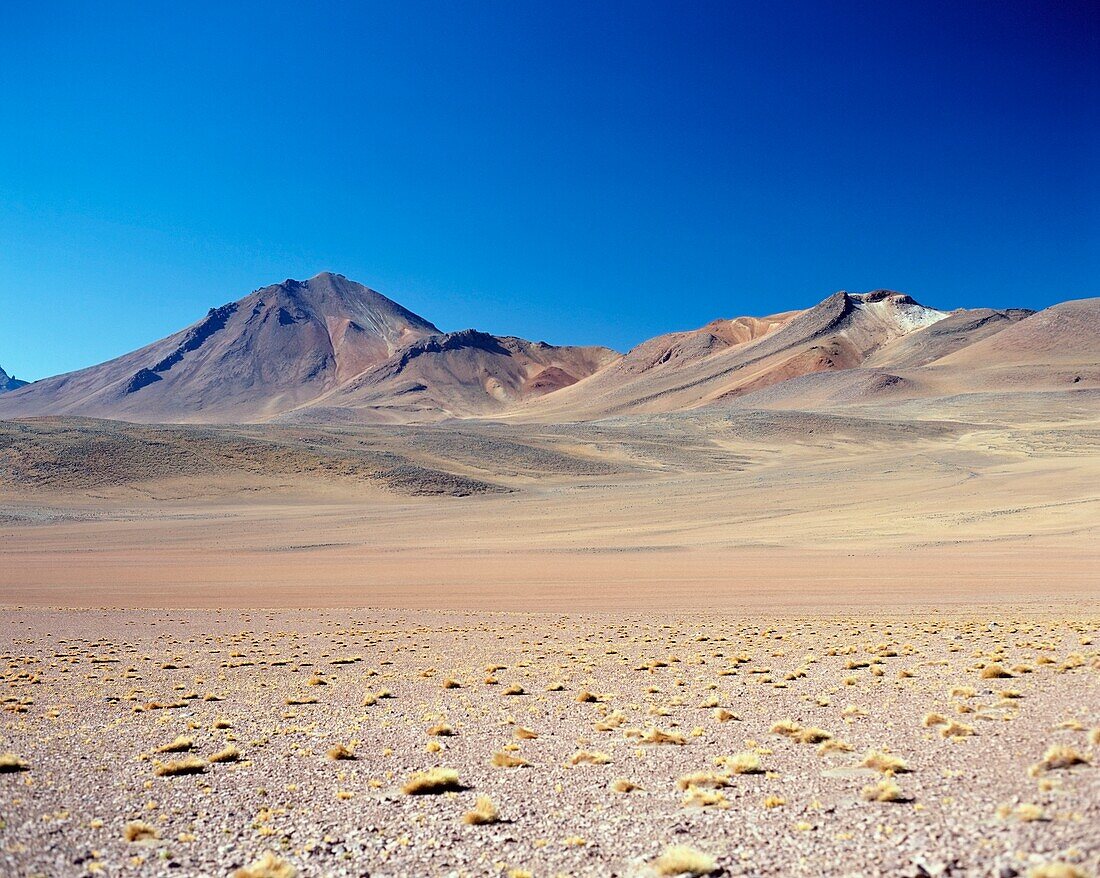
{"x": 92, "y": 695}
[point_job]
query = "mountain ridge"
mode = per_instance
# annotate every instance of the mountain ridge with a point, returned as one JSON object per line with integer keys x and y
{"x": 331, "y": 349}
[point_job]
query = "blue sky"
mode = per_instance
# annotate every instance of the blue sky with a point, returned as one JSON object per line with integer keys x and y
{"x": 589, "y": 172}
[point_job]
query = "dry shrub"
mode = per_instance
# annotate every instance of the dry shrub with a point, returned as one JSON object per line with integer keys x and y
{"x": 682, "y": 859}
{"x": 9, "y": 762}
{"x": 623, "y": 785}
{"x": 432, "y": 782}
{"x": 612, "y": 721}
{"x": 711, "y": 779}
{"x": 745, "y": 762}
{"x": 933, "y": 719}
{"x": 774, "y": 801}
{"x": 441, "y": 730}
{"x": 182, "y": 744}
{"x": 723, "y": 715}
{"x": 451, "y": 684}
{"x": 785, "y": 727}
{"x": 1058, "y": 756}
{"x": 656, "y": 736}
{"x": 514, "y": 689}
{"x": 883, "y": 791}
{"x": 137, "y": 831}
{"x": 956, "y": 729}
{"x": 507, "y": 760}
{"x": 525, "y": 734}
{"x": 229, "y": 754}
{"x": 340, "y": 751}
{"x": 268, "y": 866}
{"x": 483, "y": 812}
{"x": 834, "y": 745}
{"x": 589, "y": 757}
{"x": 586, "y": 697}
{"x": 887, "y": 763}
{"x": 812, "y": 736}
{"x": 1094, "y": 737}
{"x": 698, "y": 797}
{"x": 187, "y": 765}
{"x": 994, "y": 672}
{"x": 1056, "y": 870}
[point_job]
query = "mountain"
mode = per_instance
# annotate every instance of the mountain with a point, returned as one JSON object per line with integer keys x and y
{"x": 458, "y": 374}
{"x": 290, "y": 345}
{"x": 725, "y": 360}
{"x": 9, "y": 382}
{"x": 329, "y": 350}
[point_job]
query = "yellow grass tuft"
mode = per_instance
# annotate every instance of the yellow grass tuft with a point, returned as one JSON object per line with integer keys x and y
{"x": 507, "y": 760}
{"x": 340, "y": 751}
{"x": 451, "y": 684}
{"x": 1058, "y": 756}
{"x": 1094, "y": 737}
{"x": 883, "y": 791}
{"x": 1056, "y": 870}
{"x": 589, "y": 757}
{"x": 656, "y": 736}
{"x": 745, "y": 762}
{"x": 812, "y": 736}
{"x": 432, "y": 782}
{"x": 182, "y": 744}
{"x": 956, "y": 729}
{"x": 441, "y": 730}
{"x": 483, "y": 812}
{"x": 9, "y": 762}
{"x": 623, "y": 785}
{"x": 514, "y": 689}
{"x": 787, "y": 728}
{"x": 723, "y": 715}
{"x": 525, "y": 734}
{"x": 187, "y": 765}
{"x": 834, "y": 745}
{"x": 994, "y": 672}
{"x": 682, "y": 859}
{"x": 710, "y": 779}
{"x": 268, "y": 866}
{"x": 933, "y": 719}
{"x": 698, "y": 797}
{"x": 774, "y": 801}
{"x": 229, "y": 754}
{"x": 887, "y": 763}
{"x": 137, "y": 831}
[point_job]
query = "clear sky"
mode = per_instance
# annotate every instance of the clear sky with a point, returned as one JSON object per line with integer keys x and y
{"x": 588, "y": 172}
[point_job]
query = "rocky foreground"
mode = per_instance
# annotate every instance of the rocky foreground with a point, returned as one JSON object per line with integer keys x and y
{"x": 352, "y": 743}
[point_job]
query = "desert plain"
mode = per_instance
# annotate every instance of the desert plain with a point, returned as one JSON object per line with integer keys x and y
{"x": 777, "y": 643}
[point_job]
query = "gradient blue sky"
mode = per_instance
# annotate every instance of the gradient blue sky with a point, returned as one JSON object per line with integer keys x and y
{"x": 589, "y": 172}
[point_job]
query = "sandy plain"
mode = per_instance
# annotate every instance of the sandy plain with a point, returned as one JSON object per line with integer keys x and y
{"x": 851, "y": 572}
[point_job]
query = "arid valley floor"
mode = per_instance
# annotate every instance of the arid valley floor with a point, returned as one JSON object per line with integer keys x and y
{"x": 718, "y": 630}
{"x": 171, "y": 742}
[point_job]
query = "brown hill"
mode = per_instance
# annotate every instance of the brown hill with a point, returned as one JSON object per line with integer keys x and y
{"x": 276, "y": 348}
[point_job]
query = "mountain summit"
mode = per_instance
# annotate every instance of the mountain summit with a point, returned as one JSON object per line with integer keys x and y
{"x": 9, "y": 382}
{"x": 291, "y": 344}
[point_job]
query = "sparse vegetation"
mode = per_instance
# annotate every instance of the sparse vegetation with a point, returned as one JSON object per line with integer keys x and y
{"x": 682, "y": 859}
{"x": 432, "y": 782}
{"x": 483, "y": 812}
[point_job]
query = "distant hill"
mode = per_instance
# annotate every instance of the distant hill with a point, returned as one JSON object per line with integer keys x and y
{"x": 329, "y": 350}
{"x": 9, "y": 382}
